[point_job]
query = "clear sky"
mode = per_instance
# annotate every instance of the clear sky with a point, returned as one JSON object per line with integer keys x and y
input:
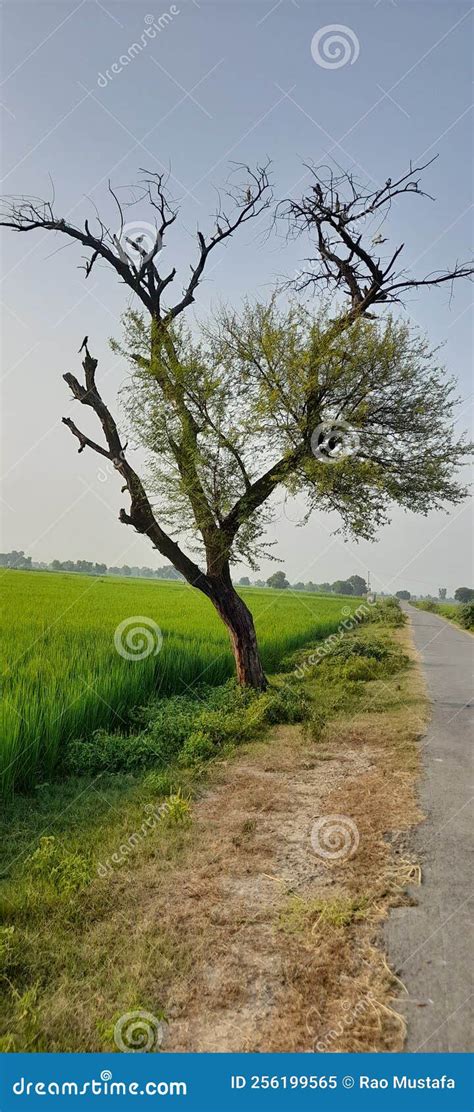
{"x": 221, "y": 82}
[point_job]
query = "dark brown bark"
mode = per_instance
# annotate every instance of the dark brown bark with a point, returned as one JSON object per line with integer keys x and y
{"x": 239, "y": 622}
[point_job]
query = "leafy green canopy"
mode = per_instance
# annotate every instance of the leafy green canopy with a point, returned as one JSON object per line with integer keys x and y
{"x": 228, "y": 417}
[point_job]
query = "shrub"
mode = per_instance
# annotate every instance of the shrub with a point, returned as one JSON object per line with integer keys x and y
{"x": 188, "y": 728}
{"x": 362, "y": 668}
{"x": 359, "y": 658}
{"x": 198, "y": 747}
{"x": 360, "y": 646}
{"x": 285, "y": 704}
{"x": 387, "y": 611}
{"x": 466, "y": 615}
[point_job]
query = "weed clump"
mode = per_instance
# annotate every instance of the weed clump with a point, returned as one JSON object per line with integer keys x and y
{"x": 189, "y": 729}
{"x": 64, "y": 870}
{"x": 341, "y": 911}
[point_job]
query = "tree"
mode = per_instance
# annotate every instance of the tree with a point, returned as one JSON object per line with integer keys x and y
{"x": 359, "y": 586}
{"x": 343, "y": 587}
{"x": 16, "y": 560}
{"x": 464, "y": 594}
{"x": 298, "y": 586}
{"x": 442, "y": 592}
{"x": 244, "y": 581}
{"x": 403, "y": 595}
{"x": 278, "y": 580}
{"x": 255, "y": 402}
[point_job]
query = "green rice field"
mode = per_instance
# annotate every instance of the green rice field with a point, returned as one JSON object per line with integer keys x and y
{"x": 68, "y": 668}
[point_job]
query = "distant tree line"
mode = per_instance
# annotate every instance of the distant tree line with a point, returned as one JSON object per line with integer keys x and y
{"x": 354, "y": 585}
{"x": 20, "y": 562}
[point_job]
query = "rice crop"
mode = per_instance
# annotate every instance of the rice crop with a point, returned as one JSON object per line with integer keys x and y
{"x": 80, "y": 652}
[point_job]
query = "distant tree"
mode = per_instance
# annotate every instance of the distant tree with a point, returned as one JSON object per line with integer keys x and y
{"x": 259, "y": 583}
{"x": 342, "y": 587}
{"x": 298, "y": 586}
{"x": 464, "y": 594}
{"x": 278, "y": 580}
{"x": 244, "y": 581}
{"x": 359, "y": 585}
{"x": 255, "y": 402}
{"x": 169, "y": 572}
{"x": 403, "y": 594}
{"x": 15, "y": 559}
{"x": 442, "y": 592}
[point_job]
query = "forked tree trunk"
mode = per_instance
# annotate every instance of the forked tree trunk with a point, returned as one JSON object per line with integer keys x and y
{"x": 238, "y": 619}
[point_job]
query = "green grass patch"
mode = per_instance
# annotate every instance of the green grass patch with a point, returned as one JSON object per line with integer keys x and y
{"x": 299, "y": 915}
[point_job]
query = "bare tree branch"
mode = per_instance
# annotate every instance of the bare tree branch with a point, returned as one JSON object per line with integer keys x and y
{"x": 335, "y": 211}
{"x": 140, "y": 515}
{"x": 26, "y": 214}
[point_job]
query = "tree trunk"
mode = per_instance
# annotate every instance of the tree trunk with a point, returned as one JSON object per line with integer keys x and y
{"x": 238, "y": 619}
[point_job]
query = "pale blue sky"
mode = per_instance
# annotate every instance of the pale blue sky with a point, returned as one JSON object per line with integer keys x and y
{"x": 221, "y": 82}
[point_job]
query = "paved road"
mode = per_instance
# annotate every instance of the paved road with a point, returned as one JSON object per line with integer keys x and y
{"x": 431, "y": 945}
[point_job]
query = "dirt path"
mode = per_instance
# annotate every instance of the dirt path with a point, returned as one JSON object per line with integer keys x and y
{"x": 260, "y": 856}
{"x": 280, "y": 943}
{"x": 432, "y": 944}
